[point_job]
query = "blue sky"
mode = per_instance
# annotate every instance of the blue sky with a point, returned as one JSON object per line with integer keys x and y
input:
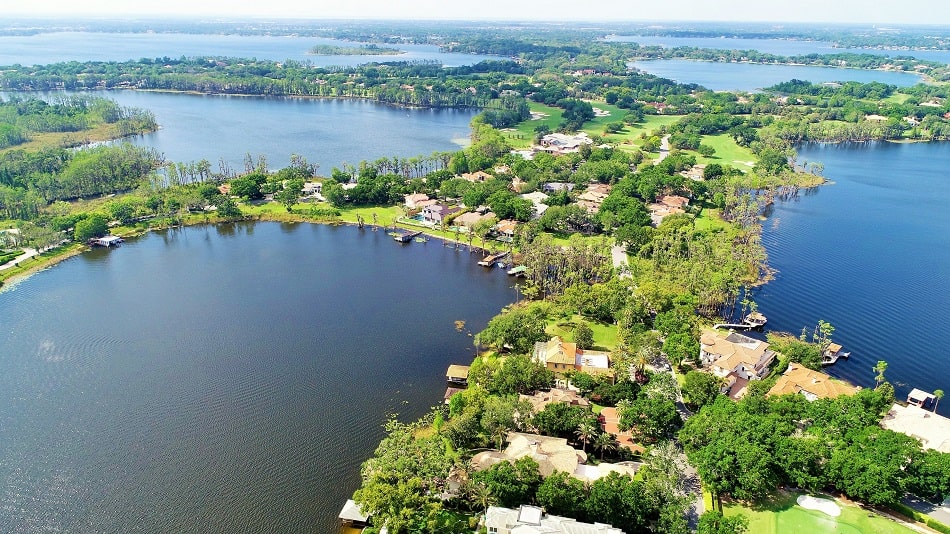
{"x": 843, "y": 11}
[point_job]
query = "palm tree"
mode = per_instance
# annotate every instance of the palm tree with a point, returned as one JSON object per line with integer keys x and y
{"x": 879, "y": 368}
{"x": 938, "y": 394}
{"x": 586, "y": 430}
{"x": 605, "y": 442}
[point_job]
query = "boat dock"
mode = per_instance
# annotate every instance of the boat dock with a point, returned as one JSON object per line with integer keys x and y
{"x": 518, "y": 271}
{"x": 405, "y": 236}
{"x": 831, "y": 355}
{"x": 489, "y": 261}
{"x": 751, "y": 322}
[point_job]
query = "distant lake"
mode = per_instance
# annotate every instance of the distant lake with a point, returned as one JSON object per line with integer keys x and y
{"x": 328, "y": 132}
{"x": 224, "y": 378}
{"x": 869, "y": 253}
{"x": 780, "y": 47}
{"x": 45, "y": 48}
{"x": 752, "y": 77}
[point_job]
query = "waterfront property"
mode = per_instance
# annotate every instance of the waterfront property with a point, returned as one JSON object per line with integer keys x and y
{"x": 540, "y": 399}
{"x": 812, "y": 384}
{"x": 533, "y": 520}
{"x": 735, "y": 357}
{"x": 436, "y": 213}
{"x": 106, "y": 241}
{"x": 352, "y": 517}
{"x": 933, "y": 430}
{"x": 561, "y": 357}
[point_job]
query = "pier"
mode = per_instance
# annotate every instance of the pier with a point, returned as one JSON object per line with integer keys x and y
{"x": 831, "y": 354}
{"x": 489, "y": 261}
{"x": 405, "y": 236}
{"x": 751, "y": 322}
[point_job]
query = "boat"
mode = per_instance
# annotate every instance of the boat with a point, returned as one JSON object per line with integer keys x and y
{"x": 831, "y": 354}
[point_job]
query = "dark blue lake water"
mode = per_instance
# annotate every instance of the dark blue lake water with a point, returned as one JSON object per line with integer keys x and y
{"x": 44, "y": 48}
{"x": 222, "y": 379}
{"x": 869, "y": 253}
{"x": 752, "y": 77}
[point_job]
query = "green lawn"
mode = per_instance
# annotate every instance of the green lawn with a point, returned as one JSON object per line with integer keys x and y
{"x": 784, "y": 516}
{"x": 727, "y": 152}
{"x": 605, "y": 335}
{"x": 709, "y": 219}
{"x": 522, "y": 135}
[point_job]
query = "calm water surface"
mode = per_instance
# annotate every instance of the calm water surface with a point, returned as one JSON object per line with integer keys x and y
{"x": 222, "y": 379}
{"x": 45, "y": 48}
{"x": 328, "y": 132}
{"x": 780, "y": 47}
{"x": 752, "y": 77}
{"x": 869, "y": 253}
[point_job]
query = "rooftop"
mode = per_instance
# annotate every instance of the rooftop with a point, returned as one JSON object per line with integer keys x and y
{"x": 812, "y": 384}
{"x": 533, "y": 520}
{"x": 931, "y": 429}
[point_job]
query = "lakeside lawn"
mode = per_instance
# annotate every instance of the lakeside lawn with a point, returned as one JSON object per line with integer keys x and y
{"x": 782, "y": 515}
{"x": 709, "y": 219}
{"x": 40, "y": 140}
{"x": 605, "y": 335}
{"x": 727, "y": 152}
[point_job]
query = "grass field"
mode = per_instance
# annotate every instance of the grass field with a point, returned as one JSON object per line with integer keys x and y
{"x": 709, "y": 219}
{"x": 41, "y": 140}
{"x": 605, "y": 335}
{"x": 784, "y": 516}
{"x": 727, "y": 152}
{"x": 522, "y": 135}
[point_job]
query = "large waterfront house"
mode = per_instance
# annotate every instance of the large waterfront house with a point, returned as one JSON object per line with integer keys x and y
{"x": 533, "y": 520}
{"x": 812, "y": 384}
{"x": 436, "y": 213}
{"x": 561, "y": 357}
{"x": 736, "y": 358}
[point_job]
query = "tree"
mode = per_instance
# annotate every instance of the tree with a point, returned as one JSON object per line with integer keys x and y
{"x": 247, "y": 187}
{"x": 583, "y": 335}
{"x": 650, "y": 419}
{"x": 873, "y": 467}
{"x": 713, "y": 522}
{"x": 701, "y": 388}
{"x": 512, "y": 484}
{"x": 502, "y": 415}
{"x": 586, "y": 430}
{"x": 938, "y": 394}
{"x": 559, "y": 419}
{"x": 562, "y": 494}
{"x": 518, "y": 328}
{"x": 95, "y": 225}
{"x": 879, "y": 369}
{"x": 605, "y": 442}
{"x": 618, "y": 500}
{"x": 290, "y": 194}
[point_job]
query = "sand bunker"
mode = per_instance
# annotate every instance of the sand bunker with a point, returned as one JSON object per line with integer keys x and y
{"x": 822, "y": 505}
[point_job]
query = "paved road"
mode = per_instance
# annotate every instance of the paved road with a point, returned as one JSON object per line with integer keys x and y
{"x": 939, "y": 512}
{"x": 30, "y": 252}
{"x": 664, "y": 149}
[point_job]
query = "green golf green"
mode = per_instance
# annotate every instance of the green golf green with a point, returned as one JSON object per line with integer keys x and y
{"x": 784, "y": 516}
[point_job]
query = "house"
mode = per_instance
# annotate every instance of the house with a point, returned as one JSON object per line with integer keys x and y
{"x": 561, "y": 357}
{"x": 470, "y": 219}
{"x": 812, "y": 384}
{"x": 696, "y": 172}
{"x": 540, "y": 399}
{"x": 673, "y": 201}
{"x": 610, "y": 422}
{"x": 506, "y": 229}
{"x": 735, "y": 357}
{"x": 555, "y": 187}
{"x": 436, "y": 213}
{"x": 312, "y": 188}
{"x": 931, "y": 429}
{"x": 537, "y": 199}
{"x": 533, "y": 520}
{"x": 413, "y": 200}
{"x": 477, "y": 176}
{"x": 559, "y": 143}
{"x": 593, "y": 197}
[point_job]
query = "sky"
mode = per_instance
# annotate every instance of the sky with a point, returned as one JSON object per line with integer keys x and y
{"x": 842, "y": 11}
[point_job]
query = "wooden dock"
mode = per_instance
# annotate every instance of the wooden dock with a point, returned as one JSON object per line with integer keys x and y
{"x": 831, "y": 355}
{"x": 489, "y": 261}
{"x": 406, "y": 235}
{"x": 751, "y": 322}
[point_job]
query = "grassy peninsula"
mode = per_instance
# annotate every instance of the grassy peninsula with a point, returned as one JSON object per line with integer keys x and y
{"x": 362, "y": 50}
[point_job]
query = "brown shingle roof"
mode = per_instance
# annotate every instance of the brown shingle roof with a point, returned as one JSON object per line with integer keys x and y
{"x": 800, "y": 379}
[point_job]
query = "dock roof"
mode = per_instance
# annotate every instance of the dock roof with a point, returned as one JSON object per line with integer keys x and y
{"x": 457, "y": 371}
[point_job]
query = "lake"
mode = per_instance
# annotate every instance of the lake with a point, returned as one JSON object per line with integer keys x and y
{"x": 721, "y": 76}
{"x": 869, "y": 253}
{"x": 328, "y": 132}
{"x": 54, "y": 47}
{"x": 780, "y": 47}
{"x": 223, "y": 379}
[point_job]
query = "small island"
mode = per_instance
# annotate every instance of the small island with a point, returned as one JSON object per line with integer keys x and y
{"x": 363, "y": 50}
